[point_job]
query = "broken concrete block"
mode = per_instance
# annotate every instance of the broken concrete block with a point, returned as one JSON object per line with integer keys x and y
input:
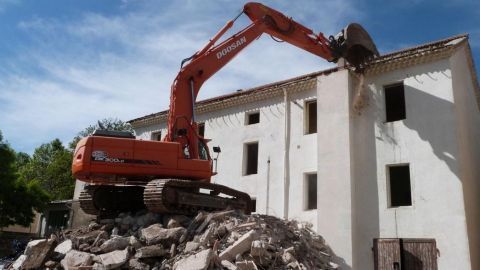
{"x": 64, "y": 247}
{"x": 191, "y": 246}
{"x": 114, "y": 259}
{"x": 87, "y": 238}
{"x": 17, "y": 265}
{"x": 228, "y": 265}
{"x": 115, "y": 243}
{"x": 246, "y": 265}
{"x": 155, "y": 234}
{"x": 198, "y": 261}
{"x": 132, "y": 241}
{"x": 208, "y": 236}
{"x": 73, "y": 259}
{"x": 37, "y": 252}
{"x": 135, "y": 264}
{"x": 150, "y": 251}
{"x": 240, "y": 246}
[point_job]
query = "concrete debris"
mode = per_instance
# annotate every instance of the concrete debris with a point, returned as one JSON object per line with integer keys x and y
{"x": 75, "y": 259}
{"x": 156, "y": 234}
{"x": 198, "y": 261}
{"x": 114, "y": 259}
{"x": 220, "y": 240}
{"x": 17, "y": 265}
{"x": 37, "y": 252}
{"x": 150, "y": 251}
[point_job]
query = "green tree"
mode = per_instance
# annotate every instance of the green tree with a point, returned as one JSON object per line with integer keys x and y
{"x": 50, "y": 166}
{"x": 106, "y": 123}
{"x": 18, "y": 199}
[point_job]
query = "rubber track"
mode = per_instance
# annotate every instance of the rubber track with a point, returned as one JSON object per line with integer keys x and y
{"x": 156, "y": 191}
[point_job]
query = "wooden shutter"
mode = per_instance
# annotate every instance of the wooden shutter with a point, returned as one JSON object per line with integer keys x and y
{"x": 387, "y": 254}
{"x": 419, "y": 254}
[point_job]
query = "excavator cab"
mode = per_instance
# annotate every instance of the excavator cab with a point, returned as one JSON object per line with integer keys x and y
{"x": 354, "y": 44}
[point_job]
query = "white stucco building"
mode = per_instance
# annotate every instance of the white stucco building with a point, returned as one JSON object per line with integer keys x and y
{"x": 385, "y": 185}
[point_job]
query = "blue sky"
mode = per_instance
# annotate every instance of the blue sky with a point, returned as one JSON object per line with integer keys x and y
{"x": 65, "y": 63}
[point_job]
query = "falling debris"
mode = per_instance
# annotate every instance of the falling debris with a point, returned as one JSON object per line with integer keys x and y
{"x": 217, "y": 240}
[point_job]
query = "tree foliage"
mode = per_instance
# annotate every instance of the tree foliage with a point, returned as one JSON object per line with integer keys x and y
{"x": 106, "y": 123}
{"x": 50, "y": 166}
{"x": 18, "y": 199}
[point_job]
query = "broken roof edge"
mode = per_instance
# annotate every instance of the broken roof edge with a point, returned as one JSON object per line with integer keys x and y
{"x": 387, "y": 62}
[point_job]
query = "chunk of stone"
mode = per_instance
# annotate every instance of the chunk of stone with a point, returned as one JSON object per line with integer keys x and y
{"x": 74, "y": 259}
{"x": 50, "y": 264}
{"x": 132, "y": 241}
{"x": 87, "y": 238}
{"x": 198, "y": 261}
{"x": 64, "y": 247}
{"x": 155, "y": 234}
{"x": 135, "y": 264}
{"x": 208, "y": 236}
{"x": 17, "y": 265}
{"x": 102, "y": 236}
{"x": 191, "y": 246}
{"x": 240, "y": 246}
{"x": 246, "y": 265}
{"x": 114, "y": 259}
{"x": 115, "y": 243}
{"x": 228, "y": 265}
{"x": 37, "y": 252}
{"x": 150, "y": 251}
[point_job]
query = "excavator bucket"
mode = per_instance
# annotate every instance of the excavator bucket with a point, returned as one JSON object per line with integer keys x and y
{"x": 355, "y": 45}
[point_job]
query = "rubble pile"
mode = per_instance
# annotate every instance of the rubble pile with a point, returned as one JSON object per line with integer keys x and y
{"x": 217, "y": 240}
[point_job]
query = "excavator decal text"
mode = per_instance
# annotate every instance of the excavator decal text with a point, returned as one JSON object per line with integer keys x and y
{"x": 231, "y": 47}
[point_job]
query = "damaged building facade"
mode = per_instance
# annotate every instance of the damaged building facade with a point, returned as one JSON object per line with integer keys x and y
{"x": 384, "y": 166}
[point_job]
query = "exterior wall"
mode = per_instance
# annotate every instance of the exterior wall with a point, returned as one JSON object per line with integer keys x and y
{"x": 468, "y": 132}
{"x": 432, "y": 151}
{"x": 33, "y": 229}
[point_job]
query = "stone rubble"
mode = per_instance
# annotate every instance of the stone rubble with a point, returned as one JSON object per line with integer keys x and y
{"x": 218, "y": 240}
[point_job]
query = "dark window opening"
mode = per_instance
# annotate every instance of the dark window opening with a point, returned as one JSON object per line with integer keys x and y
{"x": 395, "y": 102}
{"x": 311, "y": 191}
{"x": 201, "y": 129}
{"x": 157, "y": 136}
{"x": 400, "y": 190}
{"x": 251, "y": 158}
{"x": 311, "y": 117}
{"x": 253, "y": 118}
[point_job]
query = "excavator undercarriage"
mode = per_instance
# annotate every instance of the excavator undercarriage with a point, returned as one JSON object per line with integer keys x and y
{"x": 164, "y": 196}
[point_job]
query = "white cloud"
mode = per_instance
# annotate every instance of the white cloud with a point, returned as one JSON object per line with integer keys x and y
{"x": 76, "y": 72}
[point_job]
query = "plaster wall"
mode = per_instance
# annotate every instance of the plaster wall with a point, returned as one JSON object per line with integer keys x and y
{"x": 334, "y": 164}
{"x": 427, "y": 141}
{"x": 468, "y": 132}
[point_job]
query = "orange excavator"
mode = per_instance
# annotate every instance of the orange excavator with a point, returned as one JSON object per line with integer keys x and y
{"x": 173, "y": 175}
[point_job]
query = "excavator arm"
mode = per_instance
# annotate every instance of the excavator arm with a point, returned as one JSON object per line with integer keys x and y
{"x": 206, "y": 62}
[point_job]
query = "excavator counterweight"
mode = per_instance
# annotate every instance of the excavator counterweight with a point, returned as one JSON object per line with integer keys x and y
{"x": 174, "y": 175}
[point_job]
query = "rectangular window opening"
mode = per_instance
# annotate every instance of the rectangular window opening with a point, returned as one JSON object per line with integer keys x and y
{"x": 201, "y": 129}
{"x": 253, "y": 118}
{"x": 156, "y": 136}
{"x": 395, "y": 102}
{"x": 311, "y": 191}
{"x": 399, "y": 184}
{"x": 310, "y": 117}
{"x": 251, "y": 158}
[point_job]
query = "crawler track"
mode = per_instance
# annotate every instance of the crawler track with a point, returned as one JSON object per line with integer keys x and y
{"x": 183, "y": 197}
